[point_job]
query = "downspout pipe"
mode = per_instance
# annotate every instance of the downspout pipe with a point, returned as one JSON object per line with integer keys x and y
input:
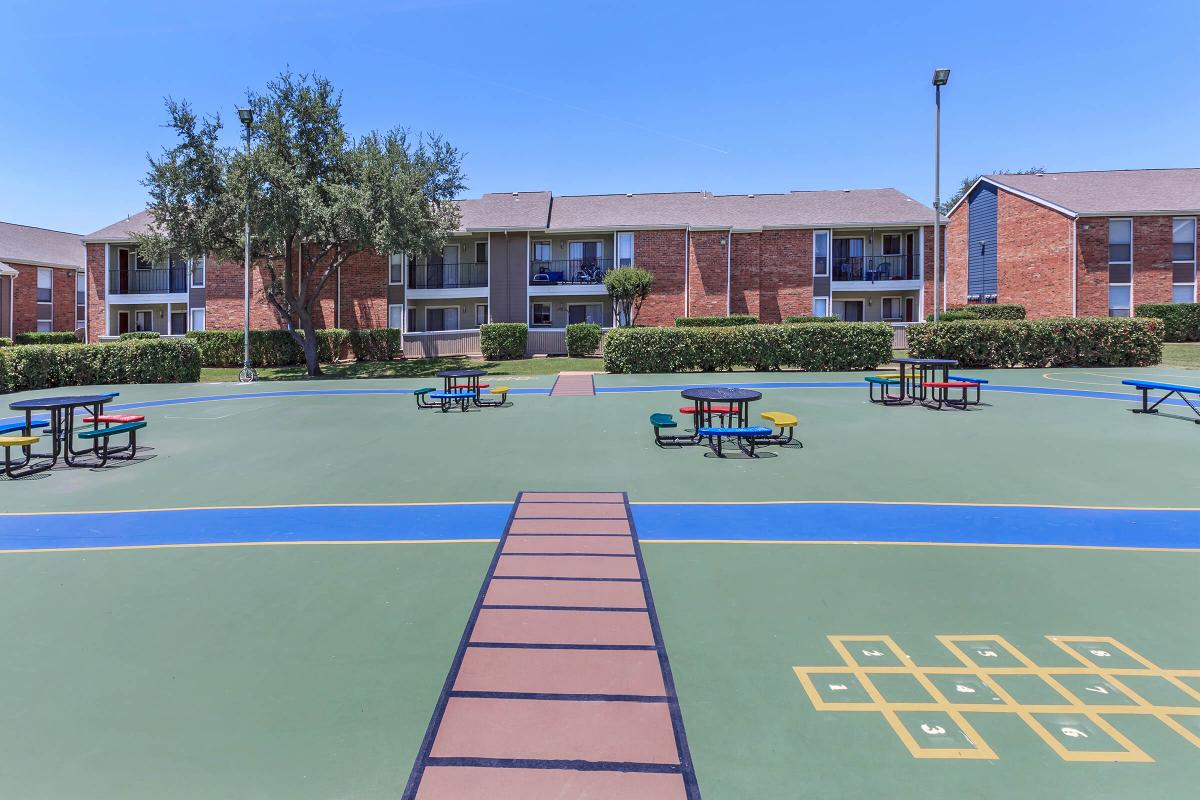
{"x": 1074, "y": 267}
{"x": 729, "y": 273}
{"x": 687, "y": 269}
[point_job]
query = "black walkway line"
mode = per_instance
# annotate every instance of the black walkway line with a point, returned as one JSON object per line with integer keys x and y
{"x": 684, "y": 768}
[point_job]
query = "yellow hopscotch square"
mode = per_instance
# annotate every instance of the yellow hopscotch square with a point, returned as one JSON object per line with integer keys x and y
{"x": 1093, "y": 690}
{"x": 1102, "y": 652}
{"x": 1085, "y": 737}
{"x": 869, "y": 651}
{"x": 835, "y": 691}
{"x": 986, "y": 652}
{"x": 966, "y": 689}
{"x": 940, "y": 734}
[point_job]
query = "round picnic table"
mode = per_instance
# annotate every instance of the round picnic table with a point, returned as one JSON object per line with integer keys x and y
{"x": 469, "y": 377}
{"x": 703, "y": 398}
{"x": 62, "y": 419}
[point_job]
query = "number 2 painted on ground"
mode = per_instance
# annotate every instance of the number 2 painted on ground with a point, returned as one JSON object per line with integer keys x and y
{"x": 872, "y": 653}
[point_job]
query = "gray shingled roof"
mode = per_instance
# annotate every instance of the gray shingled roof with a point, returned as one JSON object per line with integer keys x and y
{"x": 22, "y": 244}
{"x": 124, "y": 230}
{"x": 1135, "y": 191}
{"x": 840, "y": 208}
{"x": 506, "y": 211}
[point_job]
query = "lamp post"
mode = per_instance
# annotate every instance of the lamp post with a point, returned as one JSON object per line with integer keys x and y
{"x": 940, "y": 78}
{"x": 247, "y": 375}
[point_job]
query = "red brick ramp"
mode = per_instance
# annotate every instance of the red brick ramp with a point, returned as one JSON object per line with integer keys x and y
{"x": 561, "y": 688}
{"x": 573, "y": 384}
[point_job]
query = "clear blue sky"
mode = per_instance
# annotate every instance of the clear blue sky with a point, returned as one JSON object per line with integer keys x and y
{"x": 586, "y": 97}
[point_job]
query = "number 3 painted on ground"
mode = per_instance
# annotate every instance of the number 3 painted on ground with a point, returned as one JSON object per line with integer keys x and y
{"x": 933, "y": 730}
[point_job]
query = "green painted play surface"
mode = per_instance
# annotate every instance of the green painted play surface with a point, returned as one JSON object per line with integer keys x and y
{"x": 310, "y": 671}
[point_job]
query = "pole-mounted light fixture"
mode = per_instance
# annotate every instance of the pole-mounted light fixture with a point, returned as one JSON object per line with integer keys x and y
{"x": 941, "y": 77}
{"x": 247, "y": 375}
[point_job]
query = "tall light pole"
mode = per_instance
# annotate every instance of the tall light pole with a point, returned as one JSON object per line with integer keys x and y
{"x": 247, "y": 375}
{"x": 940, "y": 78}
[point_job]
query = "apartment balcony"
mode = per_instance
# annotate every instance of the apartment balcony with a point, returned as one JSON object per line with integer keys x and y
{"x": 875, "y": 269}
{"x": 155, "y": 280}
{"x": 572, "y": 275}
{"x": 464, "y": 275}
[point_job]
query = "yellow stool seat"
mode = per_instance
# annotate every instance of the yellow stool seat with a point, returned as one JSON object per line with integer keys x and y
{"x": 498, "y": 390}
{"x": 780, "y": 418}
{"x": 18, "y": 441}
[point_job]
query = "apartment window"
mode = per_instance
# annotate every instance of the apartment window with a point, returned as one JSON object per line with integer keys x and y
{"x": 45, "y": 285}
{"x": 143, "y": 320}
{"x": 1183, "y": 257}
{"x": 891, "y": 244}
{"x": 820, "y": 306}
{"x": 480, "y": 314}
{"x": 891, "y": 309}
{"x": 624, "y": 249}
{"x": 396, "y": 263}
{"x": 197, "y": 315}
{"x": 197, "y": 265}
{"x": 541, "y": 314}
{"x": 441, "y": 319}
{"x": 542, "y": 251}
{"x": 80, "y": 300}
{"x": 585, "y": 312}
{"x": 821, "y": 254}
{"x": 481, "y": 252}
{"x": 1120, "y": 267}
{"x": 395, "y": 316}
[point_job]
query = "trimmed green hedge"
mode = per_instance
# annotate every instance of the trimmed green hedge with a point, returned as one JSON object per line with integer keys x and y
{"x": 1062, "y": 342}
{"x": 993, "y": 310}
{"x": 55, "y": 337}
{"x": 583, "y": 339}
{"x": 376, "y": 344}
{"x": 270, "y": 348}
{"x": 805, "y": 320}
{"x": 716, "y": 322}
{"x": 5, "y": 341}
{"x": 47, "y": 366}
{"x": 834, "y": 347}
{"x": 957, "y": 315}
{"x": 503, "y": 341}
{"x": 139, "y": 335}
{"x": 1181, "y": 320}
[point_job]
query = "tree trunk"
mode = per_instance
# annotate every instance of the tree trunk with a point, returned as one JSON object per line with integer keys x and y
{"x": 310, "y": 344}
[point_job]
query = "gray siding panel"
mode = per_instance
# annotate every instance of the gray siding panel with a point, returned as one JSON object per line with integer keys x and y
{"x": 196, "y": 297}
{"x": 981, "y": 241}
{"x": 820, "y": 286}
{"x": 508, "y": 277}
{"x": 395, "y": 295}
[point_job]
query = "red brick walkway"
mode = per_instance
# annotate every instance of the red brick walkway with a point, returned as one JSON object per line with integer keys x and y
{"x": 561, "y": 686}
{"x": 573, "y": 384}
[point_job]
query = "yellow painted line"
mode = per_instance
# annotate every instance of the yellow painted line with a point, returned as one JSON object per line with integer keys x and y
{"x": 237, "y": 544}
{"x": 928, "y": 544}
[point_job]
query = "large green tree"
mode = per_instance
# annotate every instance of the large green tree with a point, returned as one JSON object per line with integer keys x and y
{"x": 317, "y": 195}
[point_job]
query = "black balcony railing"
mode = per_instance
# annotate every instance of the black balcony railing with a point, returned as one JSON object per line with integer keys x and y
{"x": 158, "y": 280}
{"x": 571, "y": 271}
{"x": 874, "y": 268}
{"x": 448, "y": 276}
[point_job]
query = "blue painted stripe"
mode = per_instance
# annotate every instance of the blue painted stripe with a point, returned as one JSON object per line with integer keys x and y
{"x": 831, "y": 522}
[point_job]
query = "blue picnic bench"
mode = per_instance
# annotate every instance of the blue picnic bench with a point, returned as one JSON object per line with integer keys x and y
{"x": 1146, "y": 387}
{"x": 746, "y": 438}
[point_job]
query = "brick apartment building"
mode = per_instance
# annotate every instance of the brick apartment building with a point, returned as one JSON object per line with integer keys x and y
{"x": 41, "y": 280}
{"x": 1076, "y": 243}
{"x": 536, "y": 258}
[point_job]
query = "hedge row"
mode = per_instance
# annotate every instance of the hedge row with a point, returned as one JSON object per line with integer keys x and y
{"x": 5, "y": 341}
{"x": 46, "y": 366}
{"x": 1181, "y": 320}
{"x": 139, "y": 335}
{"x": 583, "y": 339}
{"x": 834, "y": 347}
{"x": 376, "y": 344}
{"x": 993, "y": 310}
{"x": 716, "y": 322}
{"x": 54, "y": 337}
{"x": 1063, "y": 342}
{"x": 804, "y": 320}
{"x": 503, "y": 341}
{"x": 267, "y": 348}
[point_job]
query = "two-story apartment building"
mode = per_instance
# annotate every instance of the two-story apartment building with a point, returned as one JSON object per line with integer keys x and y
{"x": 540, "y": 259}
{"x": 42, "y": 282}
{"x": 1076, "y": 243}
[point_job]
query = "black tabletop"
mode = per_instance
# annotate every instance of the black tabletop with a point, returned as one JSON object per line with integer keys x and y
{"x": 461, "y": 373}
{"x": 50, "y": 403}
{"x": 718, "y": 393}
{"x": 950, "y": 362}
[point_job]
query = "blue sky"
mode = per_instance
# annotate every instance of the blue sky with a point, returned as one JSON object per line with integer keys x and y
{"x": 587, "y": 97}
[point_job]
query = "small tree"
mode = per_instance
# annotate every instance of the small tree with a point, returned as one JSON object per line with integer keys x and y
{"x": 317, "y": 196}
{"x": 628, "y": 287}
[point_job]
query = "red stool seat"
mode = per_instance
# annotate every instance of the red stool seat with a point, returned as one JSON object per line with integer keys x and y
{"x": 461, "y": 386}
{"x": 713, "y": 409}
{"x": 949, "y": 385}
{"x": 119, "y": 419}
